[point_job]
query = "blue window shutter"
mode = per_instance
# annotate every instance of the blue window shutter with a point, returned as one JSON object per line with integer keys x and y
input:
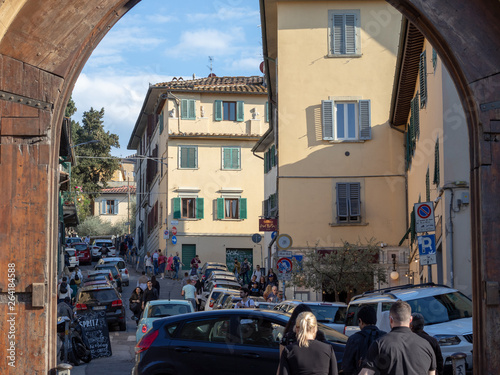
{"x": 115, "y": 207}
{"x": 192, "y": 109}
{"x": 220, "y": 208}
{"x": 267, "y": 111}
{"x": 422, "y": 74}
{"x": 327, "y": 119}
{"x": 240, "y": 111}
{"x": 177, "y": 208}
{"x": 200, "y": 210}
{"x": 354, "y": 199}
{"x": 342, "y": 206}
{"x": 243, "y": 208}
{"x": 218, "y": 110}
{"x": 184, "y": 109}
{"x": 365, "y": 128}
{"x": 103, "y": 207}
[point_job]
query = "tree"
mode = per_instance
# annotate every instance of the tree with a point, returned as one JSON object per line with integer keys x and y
{"x": 351, "y": 267}
{"x": 94, "y": 226}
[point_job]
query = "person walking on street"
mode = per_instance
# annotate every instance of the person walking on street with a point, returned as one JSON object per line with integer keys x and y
{"x": 177, "y": 265}
{"x": 135, "y": 303}
{"x": 307, "y": 355}
{"x": 189, "y": 292}
{"x": 156, "y": 284}
{"x": 170, "y": 266}
{"x": 237, "y": 268}
{"x": 104, "y": 251}
{"x": 400, "y": 351}
{"x": 195, "y": 263}
{"x": 245, "y": 270}
{"x": 257, "y": 272}
{"x": 148, "y": 264}
{"x": 186, "y": 280}
{"x": 358, "y": 344}
{"x": 150, "y": 294}
{"x": 272, "y": 279}
{"x": 245, "y": 301}
{"x": 156, "y": 254}
{"x": 162, "y": 261}
{"x": 255, "y": 291}
{"x": 64, "y": 290}
{"x": 273, "y": 297}
{"x": 143, "y": 281}
{"x": 417, "y": 326}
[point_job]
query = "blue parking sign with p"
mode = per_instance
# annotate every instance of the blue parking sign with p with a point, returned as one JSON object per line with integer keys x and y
{"x": 427, "y": 244}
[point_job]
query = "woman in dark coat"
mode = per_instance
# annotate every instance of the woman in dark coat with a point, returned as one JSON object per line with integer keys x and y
{"x": 135, "y": 302}
{"x": 156, "y": 285}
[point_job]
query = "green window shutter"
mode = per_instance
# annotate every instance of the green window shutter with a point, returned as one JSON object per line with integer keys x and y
{"x": 267, "y": 111}
{"x": 160, "y": 120}
{"x": 266, "y": 157}
{"x": 115, "y": 207}
{"x": 437, "y": 176}
{"x": 200, "y": 209}
{"x": 415, "y": 113}
{"x": 220, "y": 208}
{"x": 365, "y": 129}
{"x": 192, "y": 109}
{"x": 184, "y": 109}
{"x": 422, "y": 74}
{"x": 226, "y": 158}
{"x": 218, "y": 110}
{"x": 236, "y": 158}
{"x": 240, "y": 111}
{"x": 177, "y": 208}
{"x": 103, "y": 207}
{"x": 327, "y": 119}
{"x": 354, "y": 199}
{"x": 189, "y": 157}
{"x": 273, "y": 156}
{"x": 243, "y": 208}
{"x": 434, "y": 58}
{"x": 342, "y": 206}
{"x": 427, "y": 187}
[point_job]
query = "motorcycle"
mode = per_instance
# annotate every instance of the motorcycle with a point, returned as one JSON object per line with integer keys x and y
{"x": 75, "y": 346}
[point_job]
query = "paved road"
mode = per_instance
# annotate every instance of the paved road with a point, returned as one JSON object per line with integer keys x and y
{"x": 122, "y": 343}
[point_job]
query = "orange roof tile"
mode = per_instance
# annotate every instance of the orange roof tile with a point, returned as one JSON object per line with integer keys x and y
{"x": 251, "y": 85}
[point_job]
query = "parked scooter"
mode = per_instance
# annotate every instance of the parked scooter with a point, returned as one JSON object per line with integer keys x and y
{"x": 75, "y": 346}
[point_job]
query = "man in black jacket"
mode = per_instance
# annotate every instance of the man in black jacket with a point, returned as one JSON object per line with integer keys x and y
{"x": 358, "y": 344}
{"x": 417, "y": 326}
{"x": 150, "y": 294}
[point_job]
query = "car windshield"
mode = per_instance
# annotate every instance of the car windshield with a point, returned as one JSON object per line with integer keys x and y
{"x": 71, "y": 253}
{"x": 332, "y": 335}
{"x": 100, "y": 295}
{"x": 98, "y": 243}
{"x": 329, "y": 314}
{"x": 442, "y": 308}
{"x": 80, "y": 247}
{"x": 161, "y": 311}
{"x": 98, "y": 276}
{"x": 111, "y": 267}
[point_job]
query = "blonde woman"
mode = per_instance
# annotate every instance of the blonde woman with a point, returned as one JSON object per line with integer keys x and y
{"x": 307, "y": 355}
{"x": 267, "y": 291}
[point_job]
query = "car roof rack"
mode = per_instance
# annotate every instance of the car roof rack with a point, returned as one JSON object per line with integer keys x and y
{"x": 387, "y": 291}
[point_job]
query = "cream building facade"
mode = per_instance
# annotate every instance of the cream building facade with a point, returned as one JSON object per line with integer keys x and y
{"x": 115, "y": 204}
{"x": 204, "y": 185}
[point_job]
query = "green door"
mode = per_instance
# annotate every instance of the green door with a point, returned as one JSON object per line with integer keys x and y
{"x": 188, "y": 253}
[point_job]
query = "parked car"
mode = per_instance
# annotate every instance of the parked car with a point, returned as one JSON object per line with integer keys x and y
{"x": 160, "y": 308}
{"x": 208, "y": 271}
{"x": 83, "y": 252}
{"x": 447, "y": 314}
{"x": 331, "y": 314}
{"x": 221, "y": 274}
{"x": 226, "y": 284}
{"x": 102, "y": 297}
{"x": 237, "y": 341}
{"x": 96, "y": 274}
{"x": 114, "y": 271}
{"x": 217, "y": 265}
{"x": 73, "y": 258}
{"x": 98, "y": 244}
{"x": 265, "y": 305}
{"x": 97, "y": 282}
{"x": 225, "y": 300}
{"x": 122, "y": 266}
{"x": 71, "y": 240}
{"x": 213, "y": 297}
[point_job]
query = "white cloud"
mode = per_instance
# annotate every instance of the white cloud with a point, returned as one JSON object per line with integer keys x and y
{"x": 225, "y": 14}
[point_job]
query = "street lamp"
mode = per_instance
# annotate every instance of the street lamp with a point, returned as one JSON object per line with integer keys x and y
{"x": 394, "y": 274}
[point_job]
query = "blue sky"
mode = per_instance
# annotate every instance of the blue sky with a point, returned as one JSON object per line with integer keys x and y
{"x": 160, "y": 39}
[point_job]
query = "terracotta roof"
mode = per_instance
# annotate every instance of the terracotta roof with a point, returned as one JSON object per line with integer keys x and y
{"x": 217, "y": 135}
{"x": 119, "y": 190}
{"x": 251, "y": 85}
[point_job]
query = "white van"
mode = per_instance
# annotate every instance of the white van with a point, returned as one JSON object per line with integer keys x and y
{"x": 447, "y": 314}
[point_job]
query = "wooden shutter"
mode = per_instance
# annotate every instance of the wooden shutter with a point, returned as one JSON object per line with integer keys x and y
{"x": 240, "y": 111}
{"x": 218, "y": 110}
{"x": 160, "y": 120}
{"x": 338, "y": 34}
{"x": 220, "y": 208}
{"x": 354, "y": 199}
{"x": 236, "y": 158}
{"x": 115, "y": 207}
{"x": 266, "y": 158}
{"x": 177, "y": 208}
{"x": 342, "y": 206}
{"x": 200, "y": 209}
{"x": 192, "y": 109}
{"x": 273, "y": 156}
{"x": 243, "y": 208}
{"x": 267, "y": 111}
{"x": 350, "y": 34}
{"x": 365, "y": 129}
{"x": 327, "y": 119}
{"x": 226, "y": 158}
{"x": 422, "y": 74}
{"x": 184, "y": 109}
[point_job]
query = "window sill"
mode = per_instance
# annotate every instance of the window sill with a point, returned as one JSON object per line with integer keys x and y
{"x": 356, "y": 55}
{"x": 347, "y": 141}
{"x": 188, "y": 169}
{"x": 188, "y": 219}
{"x": 362, "y": 224}
{"x": 231, "y": 169}
{"x": 231, "y": 219}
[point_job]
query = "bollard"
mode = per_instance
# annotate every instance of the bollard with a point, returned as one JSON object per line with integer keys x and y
{"x": 64, "y": 369}
{"x": 458, "y": 363}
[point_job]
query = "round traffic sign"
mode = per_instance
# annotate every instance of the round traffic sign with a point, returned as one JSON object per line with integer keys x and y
{"x": 424, "y": 211}
{"x": 284, "y": 241}
{"x": 256, "y": 238}
{"x": 273, "y": 235}
{"x": 284, "y": 265}
{"x": 174, "y": 231}
{"x": 174, "y": 240}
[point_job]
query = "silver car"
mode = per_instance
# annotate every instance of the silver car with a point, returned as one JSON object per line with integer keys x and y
{"x": 122, "y": 266}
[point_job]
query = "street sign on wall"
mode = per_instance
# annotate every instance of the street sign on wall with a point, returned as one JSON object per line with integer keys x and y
{"x": 424, "y": 217}
{"x": 427, "y": 249}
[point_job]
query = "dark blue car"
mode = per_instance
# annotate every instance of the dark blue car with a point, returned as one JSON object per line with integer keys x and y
{"x": 237, "y": 341}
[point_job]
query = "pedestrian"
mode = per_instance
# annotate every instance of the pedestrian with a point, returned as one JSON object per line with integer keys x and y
{"x": 273, "y": 296}
{"x": 162, "y": 261}
{"x": 186, "y": 280}
{"x": 177, "y": 264}
{"x": 195, "y": 263}
{"x": 257, "y": 272}
{"x": 289, "y": 334}
{"x": 255, "y": 290}
{"x": 135, "y": 303}
{"x": 189, "y": 292}
{"x": 272, "y": 279}
{"x": 237, "y": 269}
{"x": 281, "y": 297}
{"x": 245, "y": 301}
{"x": 156, "y": 284}
{"x": 400, "y": 351}
{"x": 104, "y": 251}
{"x": 156, "y": 254}
{"x": 358, "y": 344}
{"x": 307, "y": 355}
{"x": 74, "y": 289}
{"x": 148, "y": 264}
{"x": 267, "y": 292}
{"x": 134, "y": 254}
{"x": 64, "y": 308}
{"x": 143, "y": 281}
{"x": 123, "y": 248}
{"x": 417, "y": 326}
{"x": 64, "y": 290}
{"x": 245, "y": 270}
{"x": 77, "y": 275}
{"x": 150, "y": 294}
{"x": 262, "y": 284}
{"x": 170, "y": 266}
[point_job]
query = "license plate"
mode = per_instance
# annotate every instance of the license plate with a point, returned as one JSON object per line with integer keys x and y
{"x": 99, "y": 308}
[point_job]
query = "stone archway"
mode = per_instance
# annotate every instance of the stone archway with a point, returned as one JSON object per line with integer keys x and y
{"x": 43, "y": 48}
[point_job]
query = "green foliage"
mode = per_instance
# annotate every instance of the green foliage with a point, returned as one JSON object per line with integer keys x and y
{"x": 95, "y": 226}
{"x": 351, "y": 267}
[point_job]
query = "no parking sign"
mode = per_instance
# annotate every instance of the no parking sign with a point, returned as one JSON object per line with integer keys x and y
{"x": 424, "y": 217}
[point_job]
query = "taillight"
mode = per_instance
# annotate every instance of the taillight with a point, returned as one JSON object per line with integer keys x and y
{"x": 126, "y": 271}
{"x": 344, "y": 330}
{"x": 211, "y": 304}
{"x": 81, "y": 306}
{"x": 146, "y": 341}
{"x": 144, "y": 328}
{"x": 118, "y": 302}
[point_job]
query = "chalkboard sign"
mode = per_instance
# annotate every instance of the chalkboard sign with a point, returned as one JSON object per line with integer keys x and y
{"x": 95, "y": 327}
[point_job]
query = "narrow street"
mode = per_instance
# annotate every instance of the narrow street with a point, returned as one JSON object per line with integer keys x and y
{"x": 123, "y": 343}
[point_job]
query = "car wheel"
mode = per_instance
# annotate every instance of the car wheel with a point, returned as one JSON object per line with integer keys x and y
{"x": 123, "y": 326}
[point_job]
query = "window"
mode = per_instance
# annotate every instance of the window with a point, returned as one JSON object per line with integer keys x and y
{"x": 109, "y": 207}
{"x": 344, "y": 33}
{"x": 231, "y": 208}
{"x": 188, "y": 208}
{"x": 260, "y": 332}
{"x": 231, "y": 158}
{"x": 188, "y": 109}
{"x": 270, "y": 159}
{"x": 188, "y": 157}
{"x": 434, "y": 58}
{"x": 160, "y": 121}
{"x": 346, "y": 120}
{"x": 210, "y": 330}
{"x": 229, "y": 111}
{"x": 348, "y": 202}
{"x": 422, "y": 75}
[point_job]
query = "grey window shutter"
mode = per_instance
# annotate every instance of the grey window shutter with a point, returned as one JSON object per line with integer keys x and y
{"x": 240, "y": 111}
{"x": 103, "y": 207}
{"x": 350, "y": 34}
{"x": 354, "y": 199}
{"x": 365, "y": 128}
{"x": 342, "y": 206}
{"x": 327, "y": 118}
{"x": 338, "y": 34}
{"x": 220, "y": 208}
{"x": 422, "y": 74}
{"x": 115, "y": 207}
{"x": 200, "y": 209}
{"x": 218, "y": 110}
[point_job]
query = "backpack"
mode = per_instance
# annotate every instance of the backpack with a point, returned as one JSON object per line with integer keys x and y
{"x": 369, "y": 337}
{"x": 63, "y": 288}
{"x": 77, "y": 277}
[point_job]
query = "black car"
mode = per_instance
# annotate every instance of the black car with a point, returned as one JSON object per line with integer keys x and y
{"x": 240, "y": 341}
{"x": 114, "y": 271}
{"x": 102, "y": 297}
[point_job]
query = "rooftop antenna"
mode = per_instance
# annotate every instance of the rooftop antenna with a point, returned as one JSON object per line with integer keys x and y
{"x": 211, "y": 59}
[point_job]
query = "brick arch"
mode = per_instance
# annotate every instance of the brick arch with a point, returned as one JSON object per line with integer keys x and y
{"x": 43, "y": 48}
